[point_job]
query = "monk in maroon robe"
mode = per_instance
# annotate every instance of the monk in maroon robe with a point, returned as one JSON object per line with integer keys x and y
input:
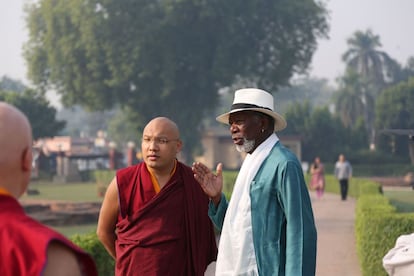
{"x": 27, "y": 247}
{"x": 154, "y": 217}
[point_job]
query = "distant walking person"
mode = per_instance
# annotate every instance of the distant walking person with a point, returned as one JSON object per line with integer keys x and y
{"x": 317, "y": 182}
{"x": 343, "y": 172}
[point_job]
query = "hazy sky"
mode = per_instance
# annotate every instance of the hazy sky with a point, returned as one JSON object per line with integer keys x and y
{"x": 390, "y": 19}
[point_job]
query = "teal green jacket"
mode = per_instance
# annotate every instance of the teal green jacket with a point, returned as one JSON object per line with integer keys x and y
{"x": 284, "y": 232}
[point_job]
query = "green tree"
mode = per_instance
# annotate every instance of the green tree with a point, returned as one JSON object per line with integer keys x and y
{"x": 394, "y": 110}
{"x": 9, "y": 84}
{"x": 349, "y": 99}
{"x": 322, "y": 134}
{"x": 41, "y": 114}
{"x": 364, "y": 58}
{"x": 297, "y": 117}
{"x": 167, "y": 57}
{"x": 408, "y": 70}
{"x": 122, "y": 130}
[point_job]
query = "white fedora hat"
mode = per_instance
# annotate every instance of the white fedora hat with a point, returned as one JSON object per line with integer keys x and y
{"x": 254, "y": 99}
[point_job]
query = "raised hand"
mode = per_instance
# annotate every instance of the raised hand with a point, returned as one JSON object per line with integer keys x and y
{"x": 212, "y": 184}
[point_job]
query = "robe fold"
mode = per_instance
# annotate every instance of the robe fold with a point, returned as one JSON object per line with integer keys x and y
{"x": 168, "y": 233}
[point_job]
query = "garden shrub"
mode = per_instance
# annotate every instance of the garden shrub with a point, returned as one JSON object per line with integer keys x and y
{"x": 103, "y": 178}
{"x": 229, "y": 178}
{"x": 377, "y": 226}
{"x": 90, "y": 243}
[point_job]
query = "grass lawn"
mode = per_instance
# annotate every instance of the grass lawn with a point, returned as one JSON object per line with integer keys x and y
{"x": 403, "y": 200}
{"x": 76, "y": 192}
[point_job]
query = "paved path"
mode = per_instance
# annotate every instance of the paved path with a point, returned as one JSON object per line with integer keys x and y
{"x": 337, "y": 254}
{"x": 336, "y": 236}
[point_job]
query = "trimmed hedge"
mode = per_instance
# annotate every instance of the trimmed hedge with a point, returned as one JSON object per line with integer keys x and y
{"x": 377, "y": 226}
{"x": 366, "y": 170}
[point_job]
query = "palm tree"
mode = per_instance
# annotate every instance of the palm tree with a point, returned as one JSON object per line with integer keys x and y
{"x": 349, "y": 100}
{"x": 375, "y": 68}
{"x": 364, "y": 58}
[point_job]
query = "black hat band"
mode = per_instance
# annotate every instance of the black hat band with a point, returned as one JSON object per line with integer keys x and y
{"x": 244, "y": 105}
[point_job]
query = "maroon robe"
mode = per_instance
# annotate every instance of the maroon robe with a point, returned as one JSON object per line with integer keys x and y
{"x": 24, "y": 242}
{"x": 168, "y": 233}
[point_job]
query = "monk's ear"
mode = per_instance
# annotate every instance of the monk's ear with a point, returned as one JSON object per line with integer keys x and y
{"x": 26, "y": 159}
{"x": 179, "y": 145}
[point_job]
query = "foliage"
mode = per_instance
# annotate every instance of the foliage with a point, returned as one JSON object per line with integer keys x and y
{"x": 375, "y": 68}
{"x": 395, "y": 111}
{"x": 103, "y": 177}
{"x": 121, "y": 128}
{"x": 376, "y": 158}
{"x": 408, "y": 70}
{"x": 377, "y": 228}
{"x": 143, "y": 55}
{"x": 229, "y": 179}
{"x": 91, "y": 244}
{"x": 41, "y": 115}
{"x": 297, "y": 117}
{"x": 350, "y": 99}
{"x": 363, "y": 57}
{"x": 8, "y": 84}
{"x": 322, "y": 134}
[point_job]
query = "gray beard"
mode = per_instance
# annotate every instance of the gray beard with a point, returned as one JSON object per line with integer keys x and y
{"x": 247, "y": 146}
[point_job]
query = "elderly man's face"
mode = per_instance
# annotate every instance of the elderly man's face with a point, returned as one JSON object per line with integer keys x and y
{"x": 245, "y": 128}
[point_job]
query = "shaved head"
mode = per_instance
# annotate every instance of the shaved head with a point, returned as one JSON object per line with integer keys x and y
{"x": 164, "y": 124}
{"x": 16, "y": 149}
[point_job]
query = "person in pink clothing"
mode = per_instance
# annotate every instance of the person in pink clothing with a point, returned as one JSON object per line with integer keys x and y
{"x": 29, "y": 248}
{"x": 317, "y": 181}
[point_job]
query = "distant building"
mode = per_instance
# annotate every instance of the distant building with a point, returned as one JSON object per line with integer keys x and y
{"x": 67, "y": 159}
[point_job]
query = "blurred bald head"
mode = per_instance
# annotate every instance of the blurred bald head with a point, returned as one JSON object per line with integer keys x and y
{"x": 16, "y": 149}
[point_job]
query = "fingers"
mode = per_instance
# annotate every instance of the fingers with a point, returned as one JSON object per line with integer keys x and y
{"x": 219, "y": 169}
{"x": 200, "y": 169}
{"x": 200, "y": 172}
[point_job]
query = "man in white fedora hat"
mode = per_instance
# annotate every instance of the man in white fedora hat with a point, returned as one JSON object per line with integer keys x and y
{"x": 267, "y": 228}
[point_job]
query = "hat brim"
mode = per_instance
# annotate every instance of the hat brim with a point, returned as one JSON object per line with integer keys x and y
{"x": 280, "y": 122}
